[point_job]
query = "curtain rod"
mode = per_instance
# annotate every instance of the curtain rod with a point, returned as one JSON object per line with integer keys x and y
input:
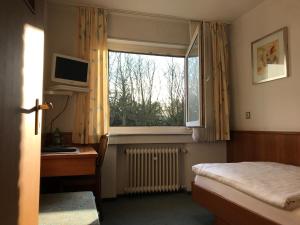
{"x": 129, "y": 12}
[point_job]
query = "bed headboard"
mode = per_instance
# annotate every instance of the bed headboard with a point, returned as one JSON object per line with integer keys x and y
{"x": 283, "y": 147}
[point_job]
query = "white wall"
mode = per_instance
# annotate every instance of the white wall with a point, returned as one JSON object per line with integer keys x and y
{"x": 148, "y": 28}
{"x": 61, "y": 34}
{"x": 274, "y": 105}
{"x": 61, "y": 37}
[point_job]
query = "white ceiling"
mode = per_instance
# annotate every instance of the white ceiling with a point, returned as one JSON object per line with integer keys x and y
{"x": 221, "y": 10}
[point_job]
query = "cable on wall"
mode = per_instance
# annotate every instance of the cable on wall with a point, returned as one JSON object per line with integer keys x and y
{"x": 58, "y": 115}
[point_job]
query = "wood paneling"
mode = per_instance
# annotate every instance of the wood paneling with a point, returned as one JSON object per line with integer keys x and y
{"x": 219, "y": 221}
{"x": 282, "y": 147}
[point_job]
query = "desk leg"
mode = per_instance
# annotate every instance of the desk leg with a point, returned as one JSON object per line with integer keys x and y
{"x": 98, "y": 193}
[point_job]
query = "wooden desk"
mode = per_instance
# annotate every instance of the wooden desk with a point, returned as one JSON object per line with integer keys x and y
{"x": 69, "y": 164}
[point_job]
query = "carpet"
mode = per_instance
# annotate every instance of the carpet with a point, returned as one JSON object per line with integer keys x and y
{"x": 73, "y": 208}
{"x": 155, "y": 209}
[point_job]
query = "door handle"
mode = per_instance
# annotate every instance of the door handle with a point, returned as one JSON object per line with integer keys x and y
{"x": 45, "y": 106}
{"x": 36, "y": 108}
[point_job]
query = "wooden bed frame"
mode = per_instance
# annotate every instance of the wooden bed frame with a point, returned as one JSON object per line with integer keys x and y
{"x": 282, "y": 147}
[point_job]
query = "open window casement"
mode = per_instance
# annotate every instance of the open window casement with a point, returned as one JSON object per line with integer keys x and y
{"x": 194, "y": 82}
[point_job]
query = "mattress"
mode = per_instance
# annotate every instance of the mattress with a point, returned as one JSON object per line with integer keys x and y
{"x": 257, "y": 179}
{"x": 275, "y": 214}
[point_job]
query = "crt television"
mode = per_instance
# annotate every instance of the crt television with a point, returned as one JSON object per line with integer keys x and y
{"x": 70, "y": 70}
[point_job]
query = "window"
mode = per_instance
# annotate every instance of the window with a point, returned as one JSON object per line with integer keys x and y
{"x": 145, "y": 90}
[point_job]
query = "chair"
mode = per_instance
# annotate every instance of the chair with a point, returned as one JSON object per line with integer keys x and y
{"x": 101, "y": 150}
{"x": 88, "y": 183}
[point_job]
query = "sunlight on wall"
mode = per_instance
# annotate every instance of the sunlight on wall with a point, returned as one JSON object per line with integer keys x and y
{"x": 33, "y": 60}
{"x": 33, "y": 64}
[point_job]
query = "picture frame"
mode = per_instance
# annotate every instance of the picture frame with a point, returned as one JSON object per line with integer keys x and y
{"x": 31, "y": 5}
{"x": 270, "y": 57}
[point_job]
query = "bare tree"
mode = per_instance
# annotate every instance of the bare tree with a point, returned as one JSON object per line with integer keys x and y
{"x": 174, "y": 106}
{"x": 133, "y": 83}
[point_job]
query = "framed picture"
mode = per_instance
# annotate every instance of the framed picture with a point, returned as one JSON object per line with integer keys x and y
{"x": 31, "y": 5}
{"x": 270, "y": 57}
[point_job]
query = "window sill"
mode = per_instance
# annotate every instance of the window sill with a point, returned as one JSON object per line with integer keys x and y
{"x": 128, "y": 131}
{"x": 149, "y": 135}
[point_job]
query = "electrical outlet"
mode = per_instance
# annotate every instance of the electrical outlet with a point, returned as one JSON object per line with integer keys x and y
{"x": 248, "y": 115}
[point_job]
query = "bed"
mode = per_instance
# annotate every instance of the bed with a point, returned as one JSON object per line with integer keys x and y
{"x": 234, "y": 207}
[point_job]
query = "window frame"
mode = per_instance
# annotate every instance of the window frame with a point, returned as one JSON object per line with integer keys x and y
{"x": 200, "y": 123}
{"x": 156, "y": 49}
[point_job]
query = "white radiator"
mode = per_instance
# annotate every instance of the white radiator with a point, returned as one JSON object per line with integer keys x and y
{"x": 152, "y": 169}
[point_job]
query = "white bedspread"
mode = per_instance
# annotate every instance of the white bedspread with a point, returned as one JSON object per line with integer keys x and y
{"x": 274, "y": 183}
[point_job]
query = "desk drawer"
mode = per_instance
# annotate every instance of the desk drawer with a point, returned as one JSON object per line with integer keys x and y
{"x": 51, "y": 167}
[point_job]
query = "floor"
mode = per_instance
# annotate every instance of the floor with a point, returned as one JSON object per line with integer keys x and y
{"x": 71, "y": 208}
{"x": 158, "y": 209}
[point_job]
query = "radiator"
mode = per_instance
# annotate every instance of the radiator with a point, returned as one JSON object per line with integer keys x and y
{"x": 152, "y": 170}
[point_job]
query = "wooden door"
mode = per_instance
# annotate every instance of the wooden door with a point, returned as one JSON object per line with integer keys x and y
{"x": 21, "y": 81}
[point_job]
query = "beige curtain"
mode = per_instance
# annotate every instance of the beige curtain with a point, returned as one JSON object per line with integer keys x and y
{"x": 92, "y": 110}
{"x": 215, "y": 60}
{"x": 220, "y": 74}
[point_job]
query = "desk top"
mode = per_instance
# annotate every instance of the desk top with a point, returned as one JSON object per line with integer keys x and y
{"x": 84, "y": 152}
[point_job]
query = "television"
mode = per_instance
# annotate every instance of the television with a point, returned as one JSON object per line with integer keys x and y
{"x": 70, "y": 70}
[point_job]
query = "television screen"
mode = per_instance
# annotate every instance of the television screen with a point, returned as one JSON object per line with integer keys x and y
{"x": 68, "y": 70}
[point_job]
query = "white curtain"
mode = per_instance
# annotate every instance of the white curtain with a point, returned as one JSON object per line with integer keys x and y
{"x": 92, "y": 109}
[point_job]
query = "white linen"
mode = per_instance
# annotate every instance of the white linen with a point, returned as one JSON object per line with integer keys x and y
{"x": 274, "y": 183}
{"x": 275, "y": 214}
